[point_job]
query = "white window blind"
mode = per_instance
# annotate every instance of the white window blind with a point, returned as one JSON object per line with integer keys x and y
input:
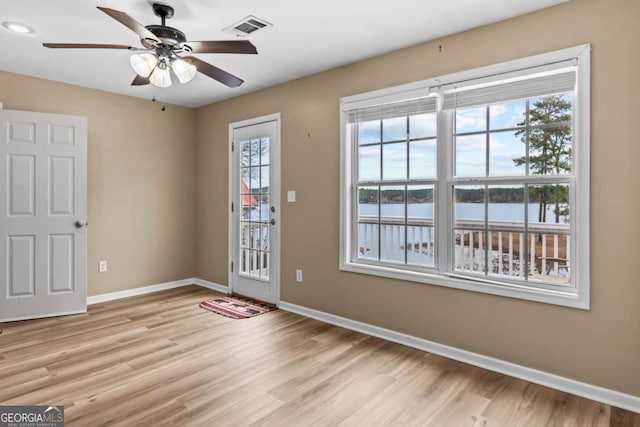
{"x": 396, "y": 109}
{"x": 495, "y": 92}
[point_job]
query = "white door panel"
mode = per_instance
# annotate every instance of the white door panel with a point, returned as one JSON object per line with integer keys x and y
{"x": 61, "y": 263}
{"x": 43, "y": 162}
{"x": 21, "y": 265}
{"x": 61, "y": 183}
{"x": 21, "y": 185}
{"x": 255, "y": 196}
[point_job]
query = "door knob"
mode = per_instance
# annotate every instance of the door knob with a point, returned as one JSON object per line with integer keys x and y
{"x": 273, "y": 221}
{"x": 80, "y": 224}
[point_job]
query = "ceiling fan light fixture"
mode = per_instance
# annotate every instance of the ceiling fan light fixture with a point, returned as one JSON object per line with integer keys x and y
{"x": 161, "y": 77}
{"x": 184, "y": 70}
{"x": 143, "y": 63}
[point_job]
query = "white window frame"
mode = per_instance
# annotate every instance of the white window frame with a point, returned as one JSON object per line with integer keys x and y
{"x": 577, "y": 295}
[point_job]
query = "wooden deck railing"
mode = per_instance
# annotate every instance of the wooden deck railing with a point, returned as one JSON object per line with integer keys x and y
{"x": 544, "y": 255}
{"x": 255, "y": 257}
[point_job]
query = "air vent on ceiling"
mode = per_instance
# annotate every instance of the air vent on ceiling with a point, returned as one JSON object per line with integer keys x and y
{"x": 248, "y": 25}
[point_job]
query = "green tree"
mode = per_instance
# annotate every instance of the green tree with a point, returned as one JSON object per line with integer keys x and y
{"x": 549, "y": 136}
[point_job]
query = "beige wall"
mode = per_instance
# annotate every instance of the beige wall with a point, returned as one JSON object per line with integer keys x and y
{"x": 140, "y": 175}
{"x": 144, "y": 188}
{"x": 600, "y": 346}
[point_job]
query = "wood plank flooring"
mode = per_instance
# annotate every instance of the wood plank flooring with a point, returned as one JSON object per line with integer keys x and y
{"x": 159, "y": 360}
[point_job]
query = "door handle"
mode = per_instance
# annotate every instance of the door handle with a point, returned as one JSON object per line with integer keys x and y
{"x": 80, "y": 224}
{"x": 273, "y": 221}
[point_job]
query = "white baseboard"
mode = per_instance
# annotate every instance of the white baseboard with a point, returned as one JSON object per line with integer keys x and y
{"x": 96, "y": 299}
{"x": 211, "y": 285}
{"x": 600, "y": 394}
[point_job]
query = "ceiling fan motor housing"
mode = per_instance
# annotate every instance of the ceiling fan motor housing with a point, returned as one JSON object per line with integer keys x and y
{"x": 167, "y": 35}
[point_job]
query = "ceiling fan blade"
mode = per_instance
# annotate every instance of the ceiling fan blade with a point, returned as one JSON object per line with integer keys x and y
{"x": 129, "y": 22}
{"x": 222, "y": 46}
{"x": 214, "y": 72}
{"x": 140, "y": 81}
{"x": 87, "y": 46}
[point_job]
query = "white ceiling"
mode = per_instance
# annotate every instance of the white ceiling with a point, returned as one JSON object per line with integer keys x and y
{"x": 307, "y": 37}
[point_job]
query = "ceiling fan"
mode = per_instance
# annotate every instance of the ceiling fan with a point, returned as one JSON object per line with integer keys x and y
{"x": 163, "y": 48}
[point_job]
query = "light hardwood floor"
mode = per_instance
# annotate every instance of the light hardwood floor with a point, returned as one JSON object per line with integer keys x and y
{"x": 159, "y": 360}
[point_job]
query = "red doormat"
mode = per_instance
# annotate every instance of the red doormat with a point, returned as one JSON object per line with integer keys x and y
{"x": 235, "y": 308}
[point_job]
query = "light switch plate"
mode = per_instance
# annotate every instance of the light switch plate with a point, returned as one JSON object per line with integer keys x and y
{"x": 291, "y": 196}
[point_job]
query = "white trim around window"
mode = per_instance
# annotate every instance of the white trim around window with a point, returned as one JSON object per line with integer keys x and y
{"x": 442, "y": 270}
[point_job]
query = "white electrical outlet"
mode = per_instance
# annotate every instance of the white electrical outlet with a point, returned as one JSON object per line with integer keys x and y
{"x": 299, "y": 276}
{"x": 102, "y": 266}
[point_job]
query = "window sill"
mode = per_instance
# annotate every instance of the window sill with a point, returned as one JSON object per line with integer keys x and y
{"x": 570, "y": 298}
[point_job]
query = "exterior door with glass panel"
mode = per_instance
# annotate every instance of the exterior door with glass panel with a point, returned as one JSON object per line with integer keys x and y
{"x": 43, "y": 212}
{"x": 255, "y": 209}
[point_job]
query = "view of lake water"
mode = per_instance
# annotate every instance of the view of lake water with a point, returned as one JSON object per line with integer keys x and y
{"x": 474, "y": 211}
{"x": 392, "y": 237}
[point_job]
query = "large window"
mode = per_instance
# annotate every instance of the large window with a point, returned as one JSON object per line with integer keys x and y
{"x": 396, "y": 172}
{"x": 477, "y": 180}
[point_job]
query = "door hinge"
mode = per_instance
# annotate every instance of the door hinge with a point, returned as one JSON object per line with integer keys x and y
{"x": 231, "y": 206}
{"x": 232, "y": 267}
{"x": 233, "y": 146}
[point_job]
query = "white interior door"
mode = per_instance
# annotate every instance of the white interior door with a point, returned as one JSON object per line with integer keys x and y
{"x": 43, "y": 212}
{"x": 254, "y": 232}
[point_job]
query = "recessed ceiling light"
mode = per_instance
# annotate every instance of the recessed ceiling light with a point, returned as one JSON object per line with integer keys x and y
{"x": 17, "y": 27}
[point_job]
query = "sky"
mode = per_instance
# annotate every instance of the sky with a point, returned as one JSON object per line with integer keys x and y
{"x": 470, "y": 150}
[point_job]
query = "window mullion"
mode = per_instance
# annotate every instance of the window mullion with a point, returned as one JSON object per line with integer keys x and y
{"x": 486, "y": 193}
{"x": 527, "y": 130}
{"x": 443, "y": 197}
{"x": 406, "y": 194}
{"x": 526, "y": 236}
{"x": 380, "y": 192}
{"x": 353, "y": 230}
